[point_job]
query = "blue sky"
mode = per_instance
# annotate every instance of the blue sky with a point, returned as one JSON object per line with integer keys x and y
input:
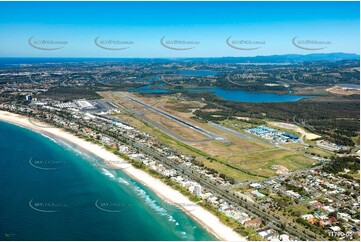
{"x": 207, "y": 24}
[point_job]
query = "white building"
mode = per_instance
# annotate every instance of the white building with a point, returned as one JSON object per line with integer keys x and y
{"x": 197, "y": 190}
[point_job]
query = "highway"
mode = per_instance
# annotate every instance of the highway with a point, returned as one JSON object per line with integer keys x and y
{"x": 227, "y": 195}
{"x": 270, "y": 216}
{"x": 281, "y": 221}
{"x": 224, "y": 193}
{"x": 231, "y": 198}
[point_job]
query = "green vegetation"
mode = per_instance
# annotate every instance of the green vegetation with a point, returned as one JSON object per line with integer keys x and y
{"x": 337, "y": 119}
{"x": 167, "y": 140}
{"x": 70, "y": 93}
{"x": 234, "y": 224}
{"x": 339, "y": 164}
{"x": 297, "y": 189}
{"x": 239, "y": 228}
{"x": 298, "y": 210}
{"x": 240, "y": 124}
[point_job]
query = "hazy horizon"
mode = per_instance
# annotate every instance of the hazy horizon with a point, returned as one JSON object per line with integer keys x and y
{"x": 177, "y": 29}
{"x": 182, "y": 57}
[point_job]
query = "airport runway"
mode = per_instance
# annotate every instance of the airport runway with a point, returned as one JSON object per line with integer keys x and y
{"x": 211, "y": 136}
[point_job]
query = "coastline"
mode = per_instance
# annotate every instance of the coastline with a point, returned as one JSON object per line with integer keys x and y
{"x": 201, "y": 215}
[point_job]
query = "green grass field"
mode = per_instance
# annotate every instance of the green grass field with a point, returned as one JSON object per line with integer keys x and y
{"x": 241, "y": 160}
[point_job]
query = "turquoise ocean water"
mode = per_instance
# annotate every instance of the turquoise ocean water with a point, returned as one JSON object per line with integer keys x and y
{"x": 52, "y": 191}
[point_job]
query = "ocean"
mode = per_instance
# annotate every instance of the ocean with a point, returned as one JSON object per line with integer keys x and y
{"x": 50, "y": 190}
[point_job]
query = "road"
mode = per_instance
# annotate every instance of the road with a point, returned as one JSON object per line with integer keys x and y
{"x": 277, "y": 220}
{"x": 229, "y": 79}
{"x": 233, "y": 199}
{"x": 227, "y": 195}
{"x": 224, "y": 193}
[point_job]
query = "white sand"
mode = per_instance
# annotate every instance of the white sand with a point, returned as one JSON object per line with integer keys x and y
{"x": 205, "y": 218}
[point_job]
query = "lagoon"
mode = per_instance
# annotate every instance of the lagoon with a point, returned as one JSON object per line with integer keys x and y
{"x": 245, "y": 96}
{"x": 197, "y": 73}
{"x": 230, "y": 95}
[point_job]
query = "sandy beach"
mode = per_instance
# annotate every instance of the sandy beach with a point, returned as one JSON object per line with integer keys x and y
{"x": 205, "y": 218}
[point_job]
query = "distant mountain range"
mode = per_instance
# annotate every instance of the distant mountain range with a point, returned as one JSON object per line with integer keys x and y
{"x": 288, "y": 58}
{"x": 291, "y": 58}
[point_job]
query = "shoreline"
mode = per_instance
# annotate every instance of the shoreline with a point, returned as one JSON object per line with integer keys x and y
{"x": 205, "y": 218}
